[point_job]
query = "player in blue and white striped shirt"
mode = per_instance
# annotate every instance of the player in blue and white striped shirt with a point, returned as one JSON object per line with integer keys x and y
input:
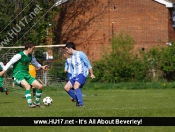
{"x": 68, "y": 70}
{"x": 80, "y": 70}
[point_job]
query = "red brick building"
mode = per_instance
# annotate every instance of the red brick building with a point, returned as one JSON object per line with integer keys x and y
{"x": 91, "y": 23}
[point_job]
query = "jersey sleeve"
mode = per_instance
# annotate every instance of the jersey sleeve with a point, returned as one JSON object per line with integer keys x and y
{"x": 35, "y": 63}
{"x": 2, "y": 65}
{"x": 85, "y": 60}
{"x": 66, "y": 65}
{"x": 14, "y": 59}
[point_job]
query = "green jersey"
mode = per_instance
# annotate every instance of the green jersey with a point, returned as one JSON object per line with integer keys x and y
{"x": 1, "y": 66}
{"x": 22, "y": 65}
{"x": 1, "y": 77}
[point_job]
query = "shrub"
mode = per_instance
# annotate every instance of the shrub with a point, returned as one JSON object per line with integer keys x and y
{"x": 121, "y": 64}
{"x": 57, "y": 69}
{"x": 117, "y": 65}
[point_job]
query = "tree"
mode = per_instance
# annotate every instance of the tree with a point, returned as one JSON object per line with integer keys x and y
{"x": 25, "y": 20}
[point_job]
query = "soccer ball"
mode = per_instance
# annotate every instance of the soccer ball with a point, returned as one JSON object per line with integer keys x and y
{"x": 47, "y": 101}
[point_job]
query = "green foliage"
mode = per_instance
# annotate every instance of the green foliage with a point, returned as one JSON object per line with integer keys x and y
{"x": 117, "y": 65}
{"x": 19, "y": 19}
{"x": 121, "y": 64}
{"x": 168, "y": 62}
{"x": 151, "y": 63}
{"x": 130, "y": 85}
{"x": 7, "y": 16}
{"x": 159, "y": 63}
{"x": 32, "y": 25}
{"x": 57, "y": 69}
{"x": 40, "y": 54}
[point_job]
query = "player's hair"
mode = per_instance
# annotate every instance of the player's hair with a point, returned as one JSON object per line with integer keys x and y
{"x": 70, "y": 45}
{"x": 28, "y": 45}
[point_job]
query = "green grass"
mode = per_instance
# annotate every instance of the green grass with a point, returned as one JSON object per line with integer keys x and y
{"x": 98, "y": 103}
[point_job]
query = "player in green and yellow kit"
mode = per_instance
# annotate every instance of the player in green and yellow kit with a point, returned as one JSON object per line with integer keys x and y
{"x": 21, "y": 75}
{"x": 2, "y": 89}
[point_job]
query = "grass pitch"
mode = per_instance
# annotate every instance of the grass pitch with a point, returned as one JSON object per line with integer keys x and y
{"x": 98, "y": 103}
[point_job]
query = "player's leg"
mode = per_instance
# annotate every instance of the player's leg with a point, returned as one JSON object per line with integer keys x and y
{"x": 26, "y": 85}
{"x": 2, "y": 89}
{"x": 73, "y": 99}
{"x": 81, "y": 90}
{"x": 24, "y": 80}
{"x": 24, "y": 93}
{"x": 80, "y": 81}
{"x": 39, "y": 88}
{"x": 34, "y": 92}
{"x": 69, "y": 90}
{"x": 69, "y": 75}
{"x": 78, "y": 94}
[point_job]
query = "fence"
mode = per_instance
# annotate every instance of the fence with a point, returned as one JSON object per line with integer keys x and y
{"x": 45, "y": 78}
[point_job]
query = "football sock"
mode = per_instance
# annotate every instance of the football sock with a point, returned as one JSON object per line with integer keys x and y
{"x": 71, "y": 93}
{"x": 28, "y": 97}
{"x": 79, "y": 96}
{"x": 38, "y": 96}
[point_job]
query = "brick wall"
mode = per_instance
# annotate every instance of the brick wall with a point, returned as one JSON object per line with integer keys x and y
{"x": 91, "y": 23}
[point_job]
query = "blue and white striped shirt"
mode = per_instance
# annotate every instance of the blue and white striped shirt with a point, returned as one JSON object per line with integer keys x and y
{"x": 80, "y": 64}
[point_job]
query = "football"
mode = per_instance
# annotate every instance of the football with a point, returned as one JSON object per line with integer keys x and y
{"x": 47, "y": 101}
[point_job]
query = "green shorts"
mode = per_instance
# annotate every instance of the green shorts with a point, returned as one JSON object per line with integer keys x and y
{"x": 23, "y": 76}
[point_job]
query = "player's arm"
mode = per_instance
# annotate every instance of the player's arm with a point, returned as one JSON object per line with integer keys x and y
{"x": 37, "y": 65}
{"x": 66, "y": 66}
{"x": 14, "y": 59}
{"x": 87, "y": 63}
{"x": 2, "y": 65}
{"x": 91, "y": 72}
